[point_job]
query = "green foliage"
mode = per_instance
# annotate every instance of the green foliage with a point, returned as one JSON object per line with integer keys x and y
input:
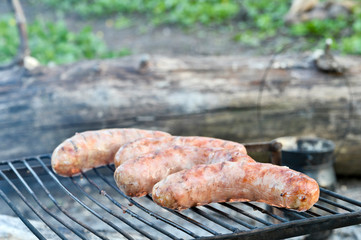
{"x": 263, "y": 14}
{"x": 266, "y": 22}
{"x": 184, "y": 12}
{"x": 262, "y": 20}
{"x": 320, "y": 28}
{"x": 253, "y": 23}
{"x": 8, "y": 39}
{"x": 53, "y": 42}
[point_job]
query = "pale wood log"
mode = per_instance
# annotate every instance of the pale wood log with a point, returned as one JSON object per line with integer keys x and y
{"x": 209, "y": 96}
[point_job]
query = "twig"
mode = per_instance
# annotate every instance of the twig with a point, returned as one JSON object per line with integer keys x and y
{"x": 23, "y": 49}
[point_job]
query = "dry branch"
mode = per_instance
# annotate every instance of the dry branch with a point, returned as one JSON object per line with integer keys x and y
{"x": 23, "y": 49}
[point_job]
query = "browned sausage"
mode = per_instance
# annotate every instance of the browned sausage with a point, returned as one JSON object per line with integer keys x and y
{"x": 136, "y": 177}
{"x": 91, "y": 149}
{"x": 143, "y": 146}
{"x": 237, "y": 181}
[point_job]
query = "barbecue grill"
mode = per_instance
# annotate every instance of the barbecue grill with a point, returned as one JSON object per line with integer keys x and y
{"x": 90, "y": 206}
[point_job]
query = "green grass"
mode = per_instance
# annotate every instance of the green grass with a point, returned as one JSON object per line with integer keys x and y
{"x": 261, "y": 20}
{"x": 53, "y": 42}
{"x": 253, "y": 23}
{"x": 184, "y": 12}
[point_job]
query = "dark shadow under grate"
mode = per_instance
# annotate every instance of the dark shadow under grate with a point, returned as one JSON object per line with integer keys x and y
{"x": 90, "y": 206}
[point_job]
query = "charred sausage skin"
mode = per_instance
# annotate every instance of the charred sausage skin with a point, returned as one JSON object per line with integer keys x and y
{"x": 91, "y": 149}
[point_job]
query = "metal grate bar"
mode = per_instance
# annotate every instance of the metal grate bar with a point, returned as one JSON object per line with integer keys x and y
{"x": 335, "y": 204}
{"x": 90, "y": 229}
{"x": 266, "y": 212}
{"x": 313, "y": 213}
{"x": 210, "y": 217}
{"x": 225, "y": 217}
{"x": 111, "y": 167}
{"x": 230, "y": 217}
{"x": 31, "y": 192}
{"x": 96, "y": 214}
{"x": 325, "y": 208}
{"x": 151, "y": 213}
{"x": 306, "y": 214}
{"x": 189, "y": 219}
{"x": 110, "y": 211}
{"x": 246, "y": 213}
{"x": 22, "y": 218}
{"x": 292, "y": 213}
{"x": 141, "y": 207}
{"x": 343, "y": 198}
{"x": 79, "y": 234}
{"x": 129, "y": 211}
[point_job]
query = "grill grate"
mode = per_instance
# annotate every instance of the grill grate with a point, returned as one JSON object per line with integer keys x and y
{"x": 90, "y": 206}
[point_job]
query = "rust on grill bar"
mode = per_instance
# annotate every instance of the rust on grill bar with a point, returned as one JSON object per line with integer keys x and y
{"x": 66, "y": 205}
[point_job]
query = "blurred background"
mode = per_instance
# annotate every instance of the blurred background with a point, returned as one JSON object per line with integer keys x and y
{"x": 66, "y": 31}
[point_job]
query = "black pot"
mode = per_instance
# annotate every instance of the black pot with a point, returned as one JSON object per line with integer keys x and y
{"x": 315, "y": 158}
{"x": 312, "y": 156}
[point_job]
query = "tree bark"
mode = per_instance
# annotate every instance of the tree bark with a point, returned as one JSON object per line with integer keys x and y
{"x": 209, "y": 96}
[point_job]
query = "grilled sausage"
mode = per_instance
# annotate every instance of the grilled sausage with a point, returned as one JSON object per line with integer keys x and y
{"x": 237, "y": 181}
{"x": 136, "y": 177}
{"x": 143, "y": 146}
{"x": 91, "y": 149}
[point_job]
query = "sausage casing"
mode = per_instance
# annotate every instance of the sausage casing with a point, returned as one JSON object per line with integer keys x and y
{"x": 136, "y": 177}
{"x": 237, "y": 181}
{"x": 142, "y": 146}
{"x": 91, "y": 149}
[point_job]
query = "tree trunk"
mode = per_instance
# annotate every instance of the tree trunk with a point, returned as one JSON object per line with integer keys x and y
{"x": 209, "y": 96}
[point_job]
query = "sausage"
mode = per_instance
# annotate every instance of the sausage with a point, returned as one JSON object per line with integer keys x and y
{"x": 237, "y": 181}
{"x": 143, "y": 146}
{"x": 91, "y": 149}
{"x": 136, "y": 177}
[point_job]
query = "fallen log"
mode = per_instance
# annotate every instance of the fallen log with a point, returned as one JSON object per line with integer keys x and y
{"x": 209, "y": 96}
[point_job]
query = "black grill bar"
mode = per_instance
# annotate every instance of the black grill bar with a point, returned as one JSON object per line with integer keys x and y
{"x": 90, "y": 229}
{"x": 215, "y": 221}
{"x": 92, "y": 211}
{"x": 306, "y": 214}
{"x": 111, "y": 212}
{"x": 111, "y": 167}
{"x": 22, "y": 218}
{"x": 246, "y": 213}
{"x": 335, "y": 204}
{"x": 292, "y": 213}
{"x": 343, "y": 198}
{"x": 189, "y": 219}
{"x": 266, "y": 212}
{"x": 295, "y": 228}
{"x": 324, "y": 208}
{"x": 31, "y": 192}
{"x": 313, "y": 213}
{"x": 127, "y": 210}
{"x": 151, "y": 213}
{"x": 230, "y": 217}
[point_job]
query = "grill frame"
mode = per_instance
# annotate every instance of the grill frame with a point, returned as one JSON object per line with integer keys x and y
{"x": 307, "y": 222}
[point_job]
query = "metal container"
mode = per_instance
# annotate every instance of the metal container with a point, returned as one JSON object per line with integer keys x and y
{"x": 314, "y": 157}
